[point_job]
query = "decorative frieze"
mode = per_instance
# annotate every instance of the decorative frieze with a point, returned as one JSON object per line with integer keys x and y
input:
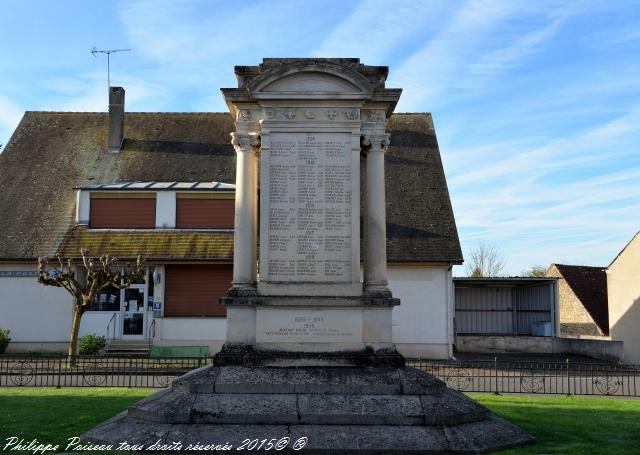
{"x": 305, "y": 114}
{"x": 376, "y": 116}
{"x": 352, "y": 114}
{"x": 244, "y": 115}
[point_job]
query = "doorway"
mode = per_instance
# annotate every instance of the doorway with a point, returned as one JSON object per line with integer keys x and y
{"x": 134, "y": 312}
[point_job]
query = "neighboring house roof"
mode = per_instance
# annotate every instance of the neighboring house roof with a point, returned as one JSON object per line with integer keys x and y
{"x": 153, "y": 245}
{"x": 589, "y": 284}
{"x": 51, "y": 153}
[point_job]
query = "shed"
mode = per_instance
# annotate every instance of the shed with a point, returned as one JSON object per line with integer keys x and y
{"x": 514, "y": 306}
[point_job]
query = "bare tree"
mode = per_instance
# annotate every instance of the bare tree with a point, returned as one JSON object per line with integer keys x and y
{"x": 536, "y": 271}
{"x": 485, "y": 261}
{"x": 100, "y": 273}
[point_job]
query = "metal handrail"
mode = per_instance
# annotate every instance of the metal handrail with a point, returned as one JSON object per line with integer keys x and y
{"x": 152, "y": 332}
{"x": 113, "y": 316}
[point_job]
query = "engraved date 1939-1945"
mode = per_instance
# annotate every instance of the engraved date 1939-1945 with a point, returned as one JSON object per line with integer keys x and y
{"x": 255, "y": 445}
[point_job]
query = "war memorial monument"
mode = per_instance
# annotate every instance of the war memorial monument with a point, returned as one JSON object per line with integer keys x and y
{"x": 309, "y": 353}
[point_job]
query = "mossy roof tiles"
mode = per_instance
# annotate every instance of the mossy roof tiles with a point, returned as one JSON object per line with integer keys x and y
{"x": 51, "y": 153}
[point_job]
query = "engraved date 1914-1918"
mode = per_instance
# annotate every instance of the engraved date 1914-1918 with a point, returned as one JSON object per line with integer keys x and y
{"x": 255, "y": 445}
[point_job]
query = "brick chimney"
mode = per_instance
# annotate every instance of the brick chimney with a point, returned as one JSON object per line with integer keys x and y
{"x": 116, "y": 119}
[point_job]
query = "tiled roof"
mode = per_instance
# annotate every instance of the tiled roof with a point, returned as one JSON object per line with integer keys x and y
{"x": 51, "y": 153}
{"x": 589, "y": 284}
{"x": 152, "y": 245}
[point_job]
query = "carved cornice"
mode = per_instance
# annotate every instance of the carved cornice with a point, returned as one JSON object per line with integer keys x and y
{"x": 376, "y": 142}
{"x": 243, "y": 142}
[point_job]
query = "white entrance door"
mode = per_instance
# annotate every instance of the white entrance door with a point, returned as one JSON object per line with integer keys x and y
{"x": 134, "y": 312}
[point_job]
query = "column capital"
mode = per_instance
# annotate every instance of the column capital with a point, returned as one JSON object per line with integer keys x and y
{"x": 243, "y": 142}
{"x": 376, "y": 141}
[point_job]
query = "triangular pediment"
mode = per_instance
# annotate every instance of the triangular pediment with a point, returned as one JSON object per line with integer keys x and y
{"x": 311, "y": 82}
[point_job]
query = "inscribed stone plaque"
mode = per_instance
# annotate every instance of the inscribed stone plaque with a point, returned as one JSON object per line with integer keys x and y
{"x": 310, "y": 207}
{"x": 280, "y": 325}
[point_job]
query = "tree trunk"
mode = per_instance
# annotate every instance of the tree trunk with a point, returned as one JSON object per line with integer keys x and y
{"x": 75, "y": 330}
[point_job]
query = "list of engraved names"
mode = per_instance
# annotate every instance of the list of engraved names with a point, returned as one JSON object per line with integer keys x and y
{"x": 310, "y": 207}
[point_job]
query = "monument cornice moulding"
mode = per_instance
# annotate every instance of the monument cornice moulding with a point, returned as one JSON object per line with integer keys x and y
{"x": 311, "y": 79}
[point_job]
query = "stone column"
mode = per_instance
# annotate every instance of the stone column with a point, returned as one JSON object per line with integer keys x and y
{"x": 375, "y": 242}
{"x": 245, "y": 232}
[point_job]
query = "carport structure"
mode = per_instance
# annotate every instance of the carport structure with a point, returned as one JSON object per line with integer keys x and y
{"x": 513, "y": 306}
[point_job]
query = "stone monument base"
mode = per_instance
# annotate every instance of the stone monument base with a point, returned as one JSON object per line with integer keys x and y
{"x": 342, "y": 410}
{"x": 249, "y": 356}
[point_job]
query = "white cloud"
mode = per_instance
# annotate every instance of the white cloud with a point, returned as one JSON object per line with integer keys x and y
{"x": 539, "y": 206}
{"x": 376, "y": 29}
{"x": 482, "y": 39}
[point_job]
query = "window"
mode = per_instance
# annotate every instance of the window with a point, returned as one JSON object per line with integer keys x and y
{"x": 119, "y": 212}
{"x": 194, "y": 211}
{"x": 194, "y": 290}
{"x": 106, "y": 300}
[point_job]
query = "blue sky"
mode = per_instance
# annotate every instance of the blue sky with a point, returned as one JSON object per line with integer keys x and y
{"x": 536, "y": 104}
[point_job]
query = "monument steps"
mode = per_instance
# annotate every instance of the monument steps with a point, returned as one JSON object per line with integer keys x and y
{"x": 316, "y": 380}
{"x": 173, "y": 407}
{"x": 367, "y": 411}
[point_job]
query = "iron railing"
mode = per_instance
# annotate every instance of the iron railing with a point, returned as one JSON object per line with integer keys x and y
{"x": 496, "y": 376}
{"x": 94, "y": 371}
{"x": 563, "y": 378}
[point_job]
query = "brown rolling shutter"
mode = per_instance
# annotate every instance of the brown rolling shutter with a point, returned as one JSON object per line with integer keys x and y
{"x": 204, "y": 213}
{"x": 123, "y": 213}
{"x": 194, "y": 290}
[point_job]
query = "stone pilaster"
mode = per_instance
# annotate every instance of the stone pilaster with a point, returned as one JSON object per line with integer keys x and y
{"x": 245, "y": 233}
{"x": 375, "y": 260}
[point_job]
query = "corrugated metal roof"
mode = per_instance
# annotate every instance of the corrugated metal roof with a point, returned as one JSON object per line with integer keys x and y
{"x": 511, "y": 281}
{"x": 158, "y": 186}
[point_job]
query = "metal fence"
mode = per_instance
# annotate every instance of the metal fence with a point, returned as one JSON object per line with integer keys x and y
{"x": 567, "y": 378}
{"x": 94, "y": 371}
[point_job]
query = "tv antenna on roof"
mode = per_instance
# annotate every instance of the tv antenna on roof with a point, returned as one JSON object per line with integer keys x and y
{"x": 95, "y": 51}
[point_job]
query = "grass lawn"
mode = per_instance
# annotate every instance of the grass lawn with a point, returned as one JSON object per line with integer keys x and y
{"x": 53, "y": 415}
{"x": 571, "y": 425}
{"x": 562, "y": 425}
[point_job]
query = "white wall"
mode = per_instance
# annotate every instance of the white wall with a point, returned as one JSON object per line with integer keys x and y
{"x": 191, "y": 331}
{"x": 33, "y": 312}
{"x": 422, "y": 324}
{"x": 623, "y": 289}
{"x": 166, "y": 209}
{"x": 95, "y": 323}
